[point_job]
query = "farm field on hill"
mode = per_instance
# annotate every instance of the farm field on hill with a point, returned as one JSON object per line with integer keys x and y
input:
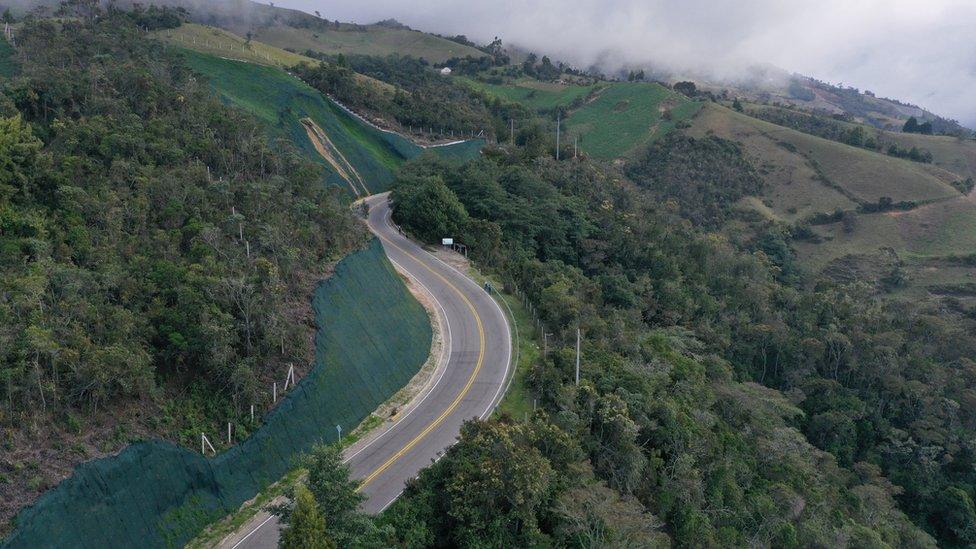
{"x": 222, "y": 43}
{"x": 625, "y": 116}
{"x": 806, "y": 175}
{"x": 373, "y": 40}
{"x": 933, "y": 230}
{"x": 956, "y": 155}
{"x": 858, "y": 174}
{"x": 950, "y": 153}
{"x": 533, "y": 93}
{"x": 225, "y": 44}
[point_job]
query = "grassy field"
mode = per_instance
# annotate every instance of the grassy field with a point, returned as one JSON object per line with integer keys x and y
{"x": 222, "y": 43}
{"x": 532, "y": 93}
{"x": 626, "y": 116}
{"x": 225, "y": 44}
{"x": 7, "y": 65}
{"x": 807, "y": 174}
{"x": 372, "y": 40}
{"x": 952, "y": 154}
{"x": 932, "y": 231}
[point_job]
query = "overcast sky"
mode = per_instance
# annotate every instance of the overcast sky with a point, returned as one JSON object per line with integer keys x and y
{"x": 920, "y": 51}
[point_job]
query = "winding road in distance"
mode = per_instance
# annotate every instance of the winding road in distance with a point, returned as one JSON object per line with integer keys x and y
{"x": 477, "y": 338}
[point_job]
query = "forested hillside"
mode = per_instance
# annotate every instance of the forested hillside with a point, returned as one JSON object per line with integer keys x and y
{"x": 158, "y": 252}
{"x": 680, "y": 331}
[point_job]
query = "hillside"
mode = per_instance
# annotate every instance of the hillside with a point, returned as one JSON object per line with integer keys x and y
{"x": 954, "y": 154}
{"x": 167, "y": 291}
{"x": 624, "y": 117}
{"x": 808, "y": 179}
{"x": 377, "y": 40}
{"x": 533, "y": 93}
{"x": 357, "y": 156}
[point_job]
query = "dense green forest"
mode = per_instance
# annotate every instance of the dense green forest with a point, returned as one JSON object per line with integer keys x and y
{"x": 157, "y": 252}
{"x": 737, "y": 404}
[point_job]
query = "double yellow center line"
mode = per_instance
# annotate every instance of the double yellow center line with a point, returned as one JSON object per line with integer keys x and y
{"x": 464, "y": 391}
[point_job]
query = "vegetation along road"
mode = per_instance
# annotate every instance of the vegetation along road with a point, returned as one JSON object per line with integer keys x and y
{"x": 477, "y": 340}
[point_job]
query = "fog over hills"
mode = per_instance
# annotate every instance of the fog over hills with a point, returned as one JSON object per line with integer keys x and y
{"x": 918, "y": 51}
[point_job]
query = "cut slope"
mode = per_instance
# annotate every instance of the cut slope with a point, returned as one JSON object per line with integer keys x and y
{"x": 335, "y": 158}
{"x": 625, "y": 116}
{"x": 283, "y": 101}
{"x": 373, "y": 337}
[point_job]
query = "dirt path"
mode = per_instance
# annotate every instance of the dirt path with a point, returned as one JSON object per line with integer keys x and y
{"x": 329, "y": 152}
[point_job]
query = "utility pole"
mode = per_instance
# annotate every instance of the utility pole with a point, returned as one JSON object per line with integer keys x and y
{"x": 575, "y": 145}
{"x": 577, "y": 355}
{"x": 512, "y": 120}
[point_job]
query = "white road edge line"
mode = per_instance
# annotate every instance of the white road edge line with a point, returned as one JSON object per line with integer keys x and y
{"x": 430, "y": 390}
{"x": 492, "y": 404}
{"x": 389, "y": 222}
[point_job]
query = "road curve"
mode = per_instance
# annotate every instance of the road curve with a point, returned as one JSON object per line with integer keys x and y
{"x": 478, "y": 339}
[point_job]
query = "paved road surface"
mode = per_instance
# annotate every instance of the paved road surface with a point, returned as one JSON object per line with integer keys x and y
{"x": 477, "y": 338}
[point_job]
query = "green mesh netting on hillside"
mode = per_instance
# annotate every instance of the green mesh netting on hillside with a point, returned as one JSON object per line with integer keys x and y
{"x": 282, "y": 101}
{"x": 8, "y": 67}
{"x": 373, "y": 337}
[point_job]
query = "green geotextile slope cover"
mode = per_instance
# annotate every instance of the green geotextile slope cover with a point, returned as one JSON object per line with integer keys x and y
{"x": 8, "y": 67}
{"x": 373, "y": 337}
{"x": 282, "y": 101}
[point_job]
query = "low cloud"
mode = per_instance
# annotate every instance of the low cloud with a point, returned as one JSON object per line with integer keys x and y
{"x": 921, "y": 51}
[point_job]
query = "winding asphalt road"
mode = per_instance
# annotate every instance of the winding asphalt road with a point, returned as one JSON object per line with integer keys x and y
{"x": 477, "y": 338}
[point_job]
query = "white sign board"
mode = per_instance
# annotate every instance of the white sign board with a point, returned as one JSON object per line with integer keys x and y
{"x": 447, "y": 241}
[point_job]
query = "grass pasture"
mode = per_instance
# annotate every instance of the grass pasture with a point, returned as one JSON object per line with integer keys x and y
{"x": 952, "y": 154}
{"x": 221, "y": 43}
{"x": 532, "y": 93}
{"x": 793, "y": 190}
{"x": 626, "y": 116}
{"x": 949, "y": 153}
{"x": 364, "y": 40}
{"x": 857, "y": 175}
{"x": 805, "y": 175}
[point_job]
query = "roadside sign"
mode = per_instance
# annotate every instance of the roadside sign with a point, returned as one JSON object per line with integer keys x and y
{"x": 447, "y": 241}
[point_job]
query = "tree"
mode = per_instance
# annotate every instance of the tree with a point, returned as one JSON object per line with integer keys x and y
{"x": 305, "y": 528}
{"x": 737, "y": 105}
{"x": 18, "y": 153}
{"x": 7, "y": 16}
{"x": 911, "y": 126}
{"x": 426, "y": 207}
{"x": 686, "y": 88}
